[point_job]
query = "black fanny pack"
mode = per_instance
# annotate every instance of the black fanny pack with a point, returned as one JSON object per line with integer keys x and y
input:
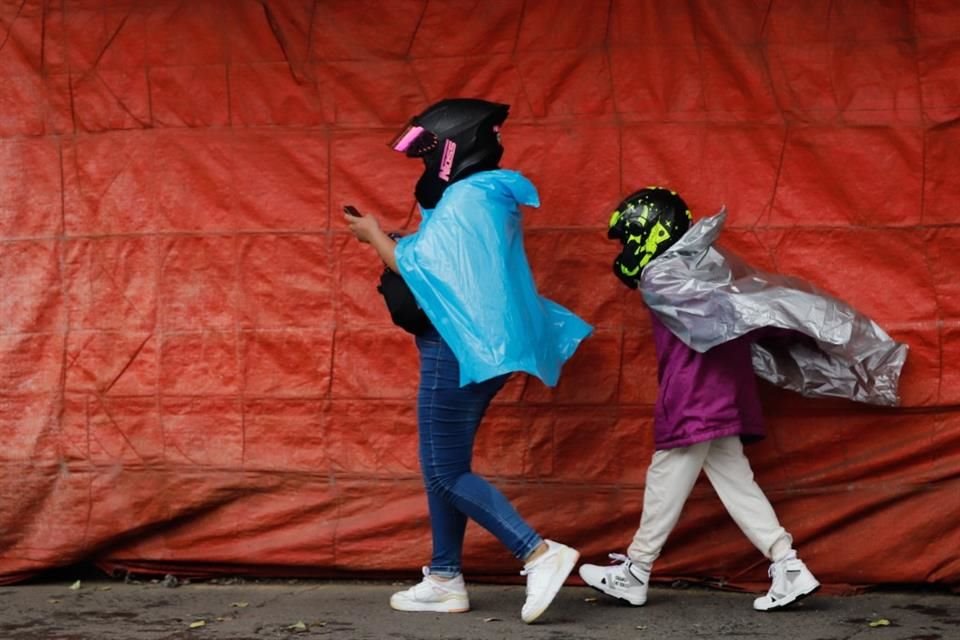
{"x": 403, "y": 307}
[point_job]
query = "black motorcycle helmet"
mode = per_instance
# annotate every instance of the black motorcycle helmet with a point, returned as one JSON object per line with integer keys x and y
{"x": 647, "y": 223}
{"x": 456, "y": 138}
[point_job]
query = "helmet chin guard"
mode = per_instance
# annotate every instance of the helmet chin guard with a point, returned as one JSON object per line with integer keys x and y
{"x": 647, "y": 223}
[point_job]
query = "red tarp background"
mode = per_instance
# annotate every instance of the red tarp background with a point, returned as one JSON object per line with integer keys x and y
{"x": 197, "y": 375}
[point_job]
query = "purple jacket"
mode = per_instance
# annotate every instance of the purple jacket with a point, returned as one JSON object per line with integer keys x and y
{"x": 704, "y": 396}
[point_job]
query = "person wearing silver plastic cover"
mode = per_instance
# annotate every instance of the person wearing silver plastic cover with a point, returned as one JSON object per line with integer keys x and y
{"x": 468, "y": 272}
{"x": 707, "y": 403}
{"x": 711, "y": 338}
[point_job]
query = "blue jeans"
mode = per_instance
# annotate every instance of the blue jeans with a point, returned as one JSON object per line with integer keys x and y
{"x": 448, "y": 417}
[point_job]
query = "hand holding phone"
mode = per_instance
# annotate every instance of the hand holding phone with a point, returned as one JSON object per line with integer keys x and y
{"x": 367, "y": 230}
{"x": 364, "y": 228}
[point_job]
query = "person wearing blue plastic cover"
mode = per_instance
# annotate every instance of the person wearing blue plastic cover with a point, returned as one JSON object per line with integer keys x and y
{"x": 468, "y": 271}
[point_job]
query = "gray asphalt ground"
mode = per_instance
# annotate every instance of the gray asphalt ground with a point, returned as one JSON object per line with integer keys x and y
{"x": 108, "y": 609}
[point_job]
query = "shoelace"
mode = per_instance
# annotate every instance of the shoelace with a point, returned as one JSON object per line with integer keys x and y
{"x": 782, "y": 562}
{"x": 425, "y": 570}
{"x": 433, "y": 583}
{"x": 526, "y": 571}
{"x": 774, "y": 571}
{"x": 619, "y": 557}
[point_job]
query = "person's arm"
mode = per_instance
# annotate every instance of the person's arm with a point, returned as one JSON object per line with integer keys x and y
{"x": 386, "y": 248}
{"x": 367, "y": 229}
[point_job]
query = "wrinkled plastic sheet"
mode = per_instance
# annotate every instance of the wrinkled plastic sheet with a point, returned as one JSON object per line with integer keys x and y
{"x": 707, "y": 296}
{"x": 471, "y": 276}
{"x": 197, "y": 376}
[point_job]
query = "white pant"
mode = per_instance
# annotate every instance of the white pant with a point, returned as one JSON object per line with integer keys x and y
{"x": 670, "y": 479}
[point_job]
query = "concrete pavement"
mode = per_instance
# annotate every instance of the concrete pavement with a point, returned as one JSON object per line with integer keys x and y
{"x": 109, "y": 609}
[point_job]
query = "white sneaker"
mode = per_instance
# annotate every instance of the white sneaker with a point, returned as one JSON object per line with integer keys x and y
{"x": 791, "y": 581}
{"x": 439, "y": 596}
{"x": 545, "y": 576}
{"x": 623, "y": 579}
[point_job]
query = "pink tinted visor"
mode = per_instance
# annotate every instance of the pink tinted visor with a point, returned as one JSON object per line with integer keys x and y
{"x": 414, "y": 140}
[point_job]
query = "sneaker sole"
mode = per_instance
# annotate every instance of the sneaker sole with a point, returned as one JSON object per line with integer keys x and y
{"x": 793, "y": 600}
{"x": 570, "y": 557}
{"x": 616, "y": 596}
{"x": 424, "y": 607}
{"x": 444, "y": 606}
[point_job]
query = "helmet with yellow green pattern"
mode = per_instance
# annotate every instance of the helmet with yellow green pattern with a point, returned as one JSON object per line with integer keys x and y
{"x": 647, "y": 223}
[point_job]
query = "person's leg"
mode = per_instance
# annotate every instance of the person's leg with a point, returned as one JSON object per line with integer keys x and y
{"x": 670, "y": 478}
{"x": 448, "y": 418}
{"x": 442, "y": 589}
{"x": 729, "y": 471}
{"x": 447, "y": 523}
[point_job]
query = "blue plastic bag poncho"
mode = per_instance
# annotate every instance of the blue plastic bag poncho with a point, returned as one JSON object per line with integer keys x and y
{"x": 467, "y": 268}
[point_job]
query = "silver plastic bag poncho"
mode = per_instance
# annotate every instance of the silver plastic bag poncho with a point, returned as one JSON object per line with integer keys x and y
{"x": 707, "y": 296}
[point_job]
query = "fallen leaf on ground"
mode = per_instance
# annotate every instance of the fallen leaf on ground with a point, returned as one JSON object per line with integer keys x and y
{"x": 298, "y": 626}
{"x": 198, "y": 623}
{"x": 880, "y": 622}
{"x": 589, "y": 599}
{"x": 75, "y": 586}
{"x": 239, "y": 605}
{"x": 491, "y": 619}
{"x": 641, "y": 627}
{"x": 53, "y": 601}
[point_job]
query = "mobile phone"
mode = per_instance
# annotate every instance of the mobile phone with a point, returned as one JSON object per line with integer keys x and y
{"x": 351, "y": 210}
